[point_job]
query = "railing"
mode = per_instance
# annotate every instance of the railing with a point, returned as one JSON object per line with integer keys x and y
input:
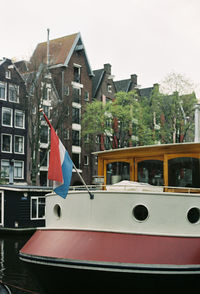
{"x": 138, "y": 188}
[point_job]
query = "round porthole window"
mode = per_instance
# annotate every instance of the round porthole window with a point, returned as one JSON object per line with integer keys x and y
{"x": 193, "y": 215}
{"x": 140, "y": 212}
{"x": 57, "y": 211}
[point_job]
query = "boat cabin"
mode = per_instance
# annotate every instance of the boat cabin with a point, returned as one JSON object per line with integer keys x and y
{"x": 22, "y": 208}
{"x": 174, "y": 166}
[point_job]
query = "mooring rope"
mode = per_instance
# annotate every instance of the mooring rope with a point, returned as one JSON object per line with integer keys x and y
{"x": 19, "y": 288}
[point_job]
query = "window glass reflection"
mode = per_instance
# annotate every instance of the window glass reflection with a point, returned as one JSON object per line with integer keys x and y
{"x": 184, "y": 172}
{"x": 151, "y": 172}
{"x": 117, "y": 171}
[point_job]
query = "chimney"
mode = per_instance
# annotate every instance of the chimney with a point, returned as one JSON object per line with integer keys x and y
{"x": 107, "y": 68}
{"x": 134, "y": 79}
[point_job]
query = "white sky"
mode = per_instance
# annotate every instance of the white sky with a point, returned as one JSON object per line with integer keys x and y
{"x": 150, "y": 38}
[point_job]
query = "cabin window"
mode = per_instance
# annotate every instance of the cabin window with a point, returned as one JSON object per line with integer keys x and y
{"x": 37, "y": 207}
{"x": 184, "y": 172}
{"x": 116, "y": 172}
{"x": 151, "y": 172}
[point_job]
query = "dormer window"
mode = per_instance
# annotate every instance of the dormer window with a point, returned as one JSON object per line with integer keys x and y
{"x": 8, "y": 74}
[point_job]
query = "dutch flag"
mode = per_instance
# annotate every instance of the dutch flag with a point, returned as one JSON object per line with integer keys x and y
{"x": 60, "y": 164}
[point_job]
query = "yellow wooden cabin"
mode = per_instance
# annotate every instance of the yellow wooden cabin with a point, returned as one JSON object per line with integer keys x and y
{"x": 174, "y": 166}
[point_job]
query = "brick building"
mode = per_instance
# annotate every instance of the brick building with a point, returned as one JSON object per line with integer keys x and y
{"x": 69, "y": 89}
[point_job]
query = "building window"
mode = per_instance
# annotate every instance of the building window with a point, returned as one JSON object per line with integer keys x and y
{"x": 19, "y": 144}
{"x": 6, "y": 143}
{"x": 43, "y": 157}
{"x": 7, "y": 117}
{"x": 76, "y": 159}
{"x": 86, "y": 97}
{"x": 18, "y": 169}
{"x": 46, "y": 110}
{"x": 8, "y": 74}
{"x": 75, "y": 115}
{"x": 2, "y": 91}
{"x": 109, "y": 88}
{"x": 75, "y": 138}
{"x": 44, "y": 134}
{"x": 5, "y": 166}
{"x": 46, "y": 93}
{"x": 76, "y": 95}
{"x": 66, "y": 134}
{"x": 37, "y": 207}
{"x": 77, "y": 74}
{"x": 86, "y": 159}
{"x": 14, "y": 93}
{"x": 19, "y": 119}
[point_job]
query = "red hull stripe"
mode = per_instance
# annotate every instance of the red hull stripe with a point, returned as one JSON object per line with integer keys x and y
{"x": 114, "y": 247}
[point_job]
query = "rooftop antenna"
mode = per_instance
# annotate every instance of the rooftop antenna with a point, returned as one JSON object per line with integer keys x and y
{"x": 48, "y": 56}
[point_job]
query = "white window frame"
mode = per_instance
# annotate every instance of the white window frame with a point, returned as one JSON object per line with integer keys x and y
{"x": 37, "y": 208}
{"x": 22, "y": 177}
{"x": 4, "y": 134}
{"x": 22, "y": 144}
{"x": 16, "y": 87}
{"x": 21, "y": 112}
{"x": 11, "y": 116}
{"x": 5, "y": 85}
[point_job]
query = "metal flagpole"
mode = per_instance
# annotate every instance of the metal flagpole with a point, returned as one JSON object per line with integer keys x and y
{"x": 91, "y": 195}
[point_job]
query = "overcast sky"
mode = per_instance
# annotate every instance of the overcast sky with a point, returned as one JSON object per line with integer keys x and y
{"x": 150, "y": 38}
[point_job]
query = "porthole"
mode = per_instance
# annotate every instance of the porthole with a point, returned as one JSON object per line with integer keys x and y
{"x": 193, "y": 215}
{"x": 140, "y": 212}
{"x": 57, "y": 211}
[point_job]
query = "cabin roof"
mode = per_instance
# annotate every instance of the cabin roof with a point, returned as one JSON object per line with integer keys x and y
{"x": 177, "y": 147}
{"x": 25, "y": 188}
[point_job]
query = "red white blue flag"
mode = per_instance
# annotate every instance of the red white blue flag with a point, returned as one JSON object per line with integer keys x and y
{"x": 60, "y": 164}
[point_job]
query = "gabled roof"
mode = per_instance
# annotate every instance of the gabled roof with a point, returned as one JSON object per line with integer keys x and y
{"x": 60, "y": 51}
{"x": 123, "y": 85}
{"x": 146, "y": 92}
{"x": 96, "y": 81}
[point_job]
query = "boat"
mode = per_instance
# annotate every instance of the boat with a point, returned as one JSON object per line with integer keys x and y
{"x": 139, "y": 231}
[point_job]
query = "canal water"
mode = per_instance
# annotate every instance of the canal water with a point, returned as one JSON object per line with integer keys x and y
{"x": 13, "y": 272}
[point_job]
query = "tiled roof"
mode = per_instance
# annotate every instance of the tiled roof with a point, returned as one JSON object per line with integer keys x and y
{"x": 59, "y": 49}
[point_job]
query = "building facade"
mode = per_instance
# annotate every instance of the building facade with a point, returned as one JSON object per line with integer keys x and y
{"x": 13, "y": 124}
